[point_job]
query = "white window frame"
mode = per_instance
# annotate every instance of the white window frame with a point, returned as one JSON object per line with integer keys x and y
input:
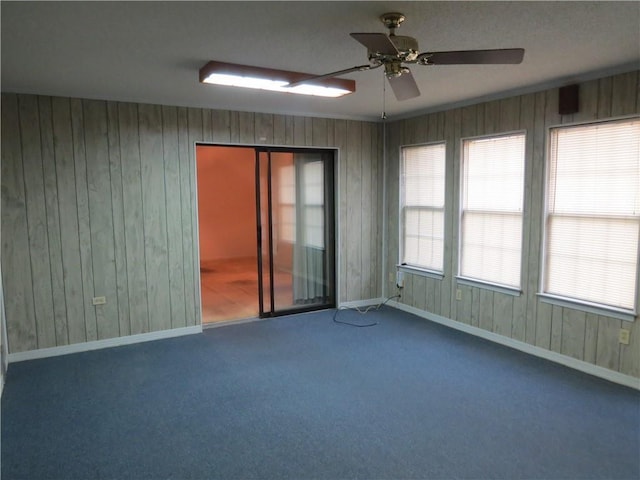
{"x": 480, "y": 282}
{"x": 575, "y": 303}
{"x": 413, "y": 268}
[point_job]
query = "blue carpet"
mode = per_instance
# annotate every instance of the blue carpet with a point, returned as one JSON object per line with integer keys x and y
{"x": 301, "y": 397}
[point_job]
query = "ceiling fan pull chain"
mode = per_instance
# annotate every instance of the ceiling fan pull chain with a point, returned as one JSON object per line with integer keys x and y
{"x": 384, "y": 98}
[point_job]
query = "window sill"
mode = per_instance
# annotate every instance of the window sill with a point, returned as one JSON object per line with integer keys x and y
{"x": 420, "y": 271}
{"x": 516, "y": 292}
{"x": 613, "y": 312}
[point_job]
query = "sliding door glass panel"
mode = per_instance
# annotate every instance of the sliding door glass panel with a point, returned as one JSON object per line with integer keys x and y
{"x": 298, "y": 204}
{"x": 284, "y": 227}
{"x": 310, "y": 285}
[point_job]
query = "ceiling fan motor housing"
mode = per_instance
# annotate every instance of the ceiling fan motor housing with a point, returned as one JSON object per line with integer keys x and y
{"x": 407, "y": 47}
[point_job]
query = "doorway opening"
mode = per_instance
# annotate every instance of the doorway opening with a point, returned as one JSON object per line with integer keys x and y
{"x": 266, "y": 218}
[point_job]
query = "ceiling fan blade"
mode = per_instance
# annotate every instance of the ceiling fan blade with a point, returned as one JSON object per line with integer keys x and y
{"x": 360, "y": 68}
{"x": 469, "y": 57}
{"x": 376, "y": 42}
{"x": 404, "y": 87}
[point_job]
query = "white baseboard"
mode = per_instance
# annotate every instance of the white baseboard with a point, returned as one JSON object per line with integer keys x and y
{"x": 361, "y": 303}
{"x": 605, "y": 373}
{"x": 99, "y": 344}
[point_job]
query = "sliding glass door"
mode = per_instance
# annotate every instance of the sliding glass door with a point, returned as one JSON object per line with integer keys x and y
{"x": 295, "y": 217}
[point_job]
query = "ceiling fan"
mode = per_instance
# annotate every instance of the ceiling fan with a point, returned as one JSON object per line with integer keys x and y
{"x": 394, "y": 51}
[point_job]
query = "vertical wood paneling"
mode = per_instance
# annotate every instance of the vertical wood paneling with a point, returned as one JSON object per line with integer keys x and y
{"x": 485, "y": 315}
{"x": 630, "y": 354}
{"x": 451, "y": 216}
{"x": 37, "y": 220}
{"x": 588, "y": 102}
{"x": 352, "y": 227}
{"x": 76, "y": 176}
{"x": 502, "y": 314}
{"x": 84, "y": 221}
{"x": 556, "y": 328}
{"x": 605, "y": 86}
{"x": 17, "y": 280}
{"x": 420, "y": 292}
{"x": 53, "y": 220}
{"x": 623, "y": 94}
{"x": 290, "y": 131}
{"x": 573, "y": 333}
{"x": 263, "y": 128}
{"x": 319, "y": 132}
{"x": 221, "y": 127}
{"x": 133, "y": 218}
{"x": 207, "y": 126}
{"x": 173, "y": 205}
{"x": 299, "y": 136}
{"x": 68, "y": 211}
{"x": 491, "y": 118}
{"x": 509, "y": 118}
{"x": 234, "y": 126}
{"x": 544, "y": 314}
{"x": 308, "y": 132}
{"x": 117, "y": 207}
{"x": 430, "y": 295}
{"x": 536, "y": 220}
{"x": 155, "y": 216}
{"x": 101, "y": 218}
{"x": 391, "y": 213}
{"x": 475, "y": 307}
{"x": 189, "y": 219}
{"x": 463, "y": 311}
{"x": 186, "y": 205}
{"x": 407, "y": 291}
{"x": 109, "y": 211}
{"x": 366, "y": 283}
{"x": 525, "y": 122}
{"x": 374, "y": 215}
{"x": 608, "y": 348}
{"x": 279, "y": 129}
{"x": 589, "y": 337}
{"x": 341, "y": 188}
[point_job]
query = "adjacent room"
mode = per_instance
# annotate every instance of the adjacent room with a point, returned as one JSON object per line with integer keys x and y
{"x": 333, "y": 239}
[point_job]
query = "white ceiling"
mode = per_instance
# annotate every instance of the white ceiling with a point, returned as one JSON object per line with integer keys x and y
{"x": 150, "y": 52}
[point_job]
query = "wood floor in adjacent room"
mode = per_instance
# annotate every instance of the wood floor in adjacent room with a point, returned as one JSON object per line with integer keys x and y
{"x": 230, "y": 289}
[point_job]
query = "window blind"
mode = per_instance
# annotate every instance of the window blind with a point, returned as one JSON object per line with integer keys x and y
{"x": 491, "y": 209}
{"x": 593, "y": 213}
{"x": 422, "y": 203}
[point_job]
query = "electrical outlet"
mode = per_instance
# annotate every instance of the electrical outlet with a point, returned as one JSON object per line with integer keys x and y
{"x": 390, "y": 276}
{"x": 400, "y": 279}
{"x": 99, "y": 300}
{"x": 458, "y": 294}
{"x": 623, "y": 336}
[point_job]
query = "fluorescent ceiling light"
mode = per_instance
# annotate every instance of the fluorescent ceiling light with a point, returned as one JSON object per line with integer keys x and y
{"x": 229, "y": 74}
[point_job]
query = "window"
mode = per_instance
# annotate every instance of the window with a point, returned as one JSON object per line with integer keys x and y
{"x": 286, "y": 203}
{"x": 313, "y": 202}
{"x": 422, "y": 206}
{"x": 491, "y": 209}
{"x": 593, "y": 213}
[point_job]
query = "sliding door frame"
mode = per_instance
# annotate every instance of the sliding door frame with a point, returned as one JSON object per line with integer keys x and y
{"x": 329, "y": 169}
{"x": 334, "y": 226}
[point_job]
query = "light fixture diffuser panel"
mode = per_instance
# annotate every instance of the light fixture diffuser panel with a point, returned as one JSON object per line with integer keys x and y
{"x": 243, "y": 76}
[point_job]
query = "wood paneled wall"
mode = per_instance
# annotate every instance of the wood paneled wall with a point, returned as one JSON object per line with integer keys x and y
{"x": 98, "y": 199}
{"x": 585, "y": 336}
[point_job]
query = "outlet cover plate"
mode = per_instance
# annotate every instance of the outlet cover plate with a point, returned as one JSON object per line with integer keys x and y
{"x": 99, "y": 300}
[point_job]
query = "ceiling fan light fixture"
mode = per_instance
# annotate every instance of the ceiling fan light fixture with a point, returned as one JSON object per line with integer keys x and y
{"x": 244, "y": 76}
